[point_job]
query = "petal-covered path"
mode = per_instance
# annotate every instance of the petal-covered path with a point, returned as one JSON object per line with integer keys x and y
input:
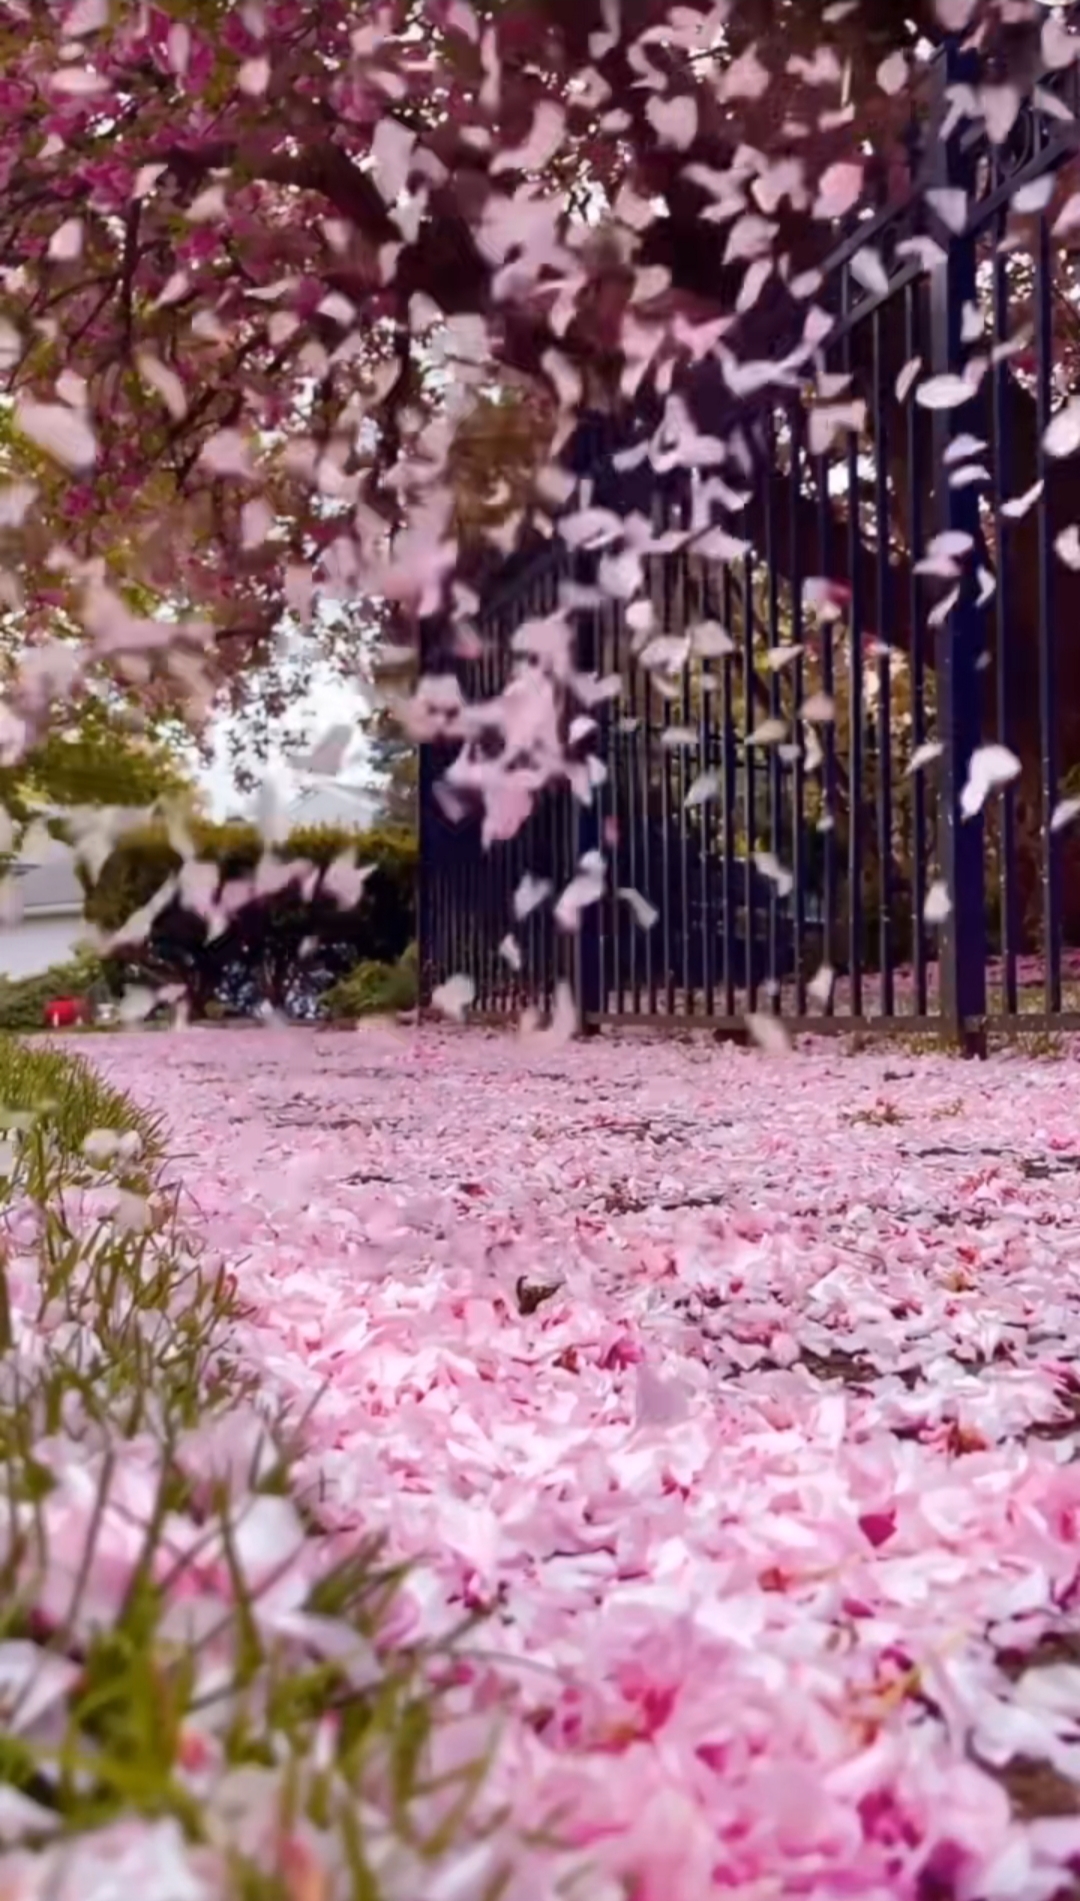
{"x": 745, "y": 1392}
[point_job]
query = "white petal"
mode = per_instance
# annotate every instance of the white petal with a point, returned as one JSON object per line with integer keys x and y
{"x": 839, "y": 191}
{"x": 1000, "y": 105}
{"x": 705, "y": 787}
{"x": 207, "y": 206}
{"x": 1068, "y": 218}
{"x": 167, "y": 384}
{"x": 944, "y": 392}
{"x": 530, "y": 893}
{"x": 908, "y": 375}
{"x": 79, "y": 81}
{"x": 16, "y": 498}
{"x": 10, "y": 345}
{"x": 454, "y": 997}
{"x": 1062, "y": 436}
{"x": 769, "y": 1033}
{"x": 954, "y": 15}
{"x": 675, "y": 121}
{"x": 67, "y": 240}
{"x": 989, "y": 767}
{"x": 770, "y": 867}
{"x": 892, "y": 74}
{"x": 61, "y": 432}
{"x": 226, "y": 453}
{"x": 1018, "y": 505}
{"x": 392, "y": 148}
{"x": 820, "y": 987}
{"x": 938, "y": 903}
{"x": 768, "y": 733}
{"x": 254, "y": 76}
{"x": 545, "y": 137}
{"x": 951, "y": 206}
{"x": 1063, "y": 813}
{"x": 868, "y": 270}
{"x": 925, "y": 754}
{"x": 645, "y": 913}
{"x": 710, "y": 641}
{"x": 1035, "y": 195}
{"x": 1067, "y": 546}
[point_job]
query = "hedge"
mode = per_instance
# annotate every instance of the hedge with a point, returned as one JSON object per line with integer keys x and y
{"x": 376, "y": 989}
{"x": 225, "y": 925}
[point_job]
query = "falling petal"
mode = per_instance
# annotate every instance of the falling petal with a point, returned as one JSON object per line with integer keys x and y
{"x": 645, "y": 914}
{"x": 208, "y": 206}
{"x": 1035, "y": 195}
{"x": 768, "y": 1033}
{"x": 839, "y": 191}
{"x": 938, "y": 903}
{"x": 704, "y": 787}
{"x": 254, "y": 76}
{"x": 227, "y": 453}
{"x": 67, "y": 240}
{"x": 821, "y": 985}
{"x": 168, "y": 385}
{"x": 951, "y": 206}
{"x": 546, "y": 136}
{"x": 768, "y": 733}
{"x": 908, "y": 376}
{"x": 867, "y": 269}
{"x": 989, "y": 767}
{"x": 530, "y": 893}
{"x": 710, "y": 641}
{"x": 1068, "y": 218}
{"x": 892, "y": 74}
{"x": 1062, "y": 434}
{"x": 946, "y": 391}
{"x": 675, "y": 121}
{"x": 1019, "y": 504}
{"x": 60, "y": 432}
{"x": 1000, "y": 105}
{"x": 454, "y": 997}
{"x": 925, "y": 754}
{"x": 777, "y": 874}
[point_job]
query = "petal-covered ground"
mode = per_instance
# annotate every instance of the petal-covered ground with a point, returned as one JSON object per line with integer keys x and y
{"x": 744, "y": 1392}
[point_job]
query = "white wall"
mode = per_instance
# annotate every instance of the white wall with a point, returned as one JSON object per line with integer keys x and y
{"x": 28, "y": 948}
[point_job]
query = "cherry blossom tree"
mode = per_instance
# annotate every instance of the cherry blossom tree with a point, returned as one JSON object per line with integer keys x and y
{"x": 266, "y": 266}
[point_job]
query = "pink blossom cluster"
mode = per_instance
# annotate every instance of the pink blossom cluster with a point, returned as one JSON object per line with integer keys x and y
{"x": 740, "y": 1393}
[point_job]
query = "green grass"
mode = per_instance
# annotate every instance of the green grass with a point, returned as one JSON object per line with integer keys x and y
{"x": 376, "y": 989}
{"x": 134, "y": 1458}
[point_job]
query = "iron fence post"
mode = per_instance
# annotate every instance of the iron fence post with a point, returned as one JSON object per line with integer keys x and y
{"x": 588, "y": 959}
{"x": 960, "y": 636}
{"x": 431, "y": 658}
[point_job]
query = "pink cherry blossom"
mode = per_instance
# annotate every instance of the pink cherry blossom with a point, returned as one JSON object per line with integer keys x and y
{"x": 769, "y": 1500}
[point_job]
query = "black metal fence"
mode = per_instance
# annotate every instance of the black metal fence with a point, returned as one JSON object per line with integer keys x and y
{"x": 785, "y": 819}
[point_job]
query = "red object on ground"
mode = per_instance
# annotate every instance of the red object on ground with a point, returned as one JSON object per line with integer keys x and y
{"x": 62, "y": 1012}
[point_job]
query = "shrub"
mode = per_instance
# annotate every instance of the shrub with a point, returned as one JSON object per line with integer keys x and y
{"x": 192, "y": 1686}
{"x": 23, "y": 999}
{"x": 376, "y": 989}
{"x": 283, "y": 929}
